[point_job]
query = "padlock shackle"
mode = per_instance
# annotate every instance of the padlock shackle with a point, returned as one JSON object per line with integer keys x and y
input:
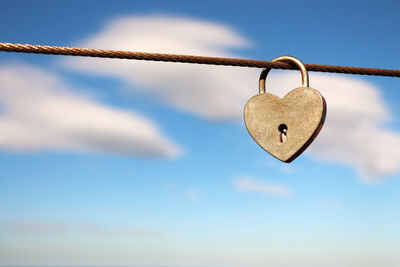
{"x": 290, "y": 59}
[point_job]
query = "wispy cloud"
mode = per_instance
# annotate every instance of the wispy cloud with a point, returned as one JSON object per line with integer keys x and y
{"x": 187, "y": 193}
{"x": 192, "y": 195}
{"x": 353, "y": 134}
{"x": 42, "y": 227}
{"x": 41, "y": 112}
{"x": 250, "y": 185}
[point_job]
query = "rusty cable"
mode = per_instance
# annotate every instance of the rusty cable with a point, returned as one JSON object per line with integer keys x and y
{"x": 85, "y": 52}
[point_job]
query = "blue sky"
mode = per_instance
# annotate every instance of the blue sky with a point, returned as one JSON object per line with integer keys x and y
{"x": 106, "y": 162}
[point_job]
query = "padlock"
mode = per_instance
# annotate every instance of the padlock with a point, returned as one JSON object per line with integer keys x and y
{"x": 285, "y": 127}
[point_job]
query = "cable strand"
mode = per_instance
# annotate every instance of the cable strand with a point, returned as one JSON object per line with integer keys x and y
{"x": 85, "y": 52}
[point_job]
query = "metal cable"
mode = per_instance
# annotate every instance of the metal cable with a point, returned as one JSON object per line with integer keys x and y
{"x": 84, "y": 52}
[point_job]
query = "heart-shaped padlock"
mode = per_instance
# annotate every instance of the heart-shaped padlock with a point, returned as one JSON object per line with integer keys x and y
{"x": 285, "y": 127}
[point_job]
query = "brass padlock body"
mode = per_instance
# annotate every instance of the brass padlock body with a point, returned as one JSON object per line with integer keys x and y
{"x": 285, "y": 127}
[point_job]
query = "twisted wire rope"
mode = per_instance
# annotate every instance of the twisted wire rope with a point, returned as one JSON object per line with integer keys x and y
{"x": 85, "y": 52}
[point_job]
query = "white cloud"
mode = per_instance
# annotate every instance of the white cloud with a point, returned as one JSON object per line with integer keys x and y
{"x": 353, "y": 134}
{"x": 209, "y": 91}
{"x": 250, "y": 185}
{"x": 40, "y": 112}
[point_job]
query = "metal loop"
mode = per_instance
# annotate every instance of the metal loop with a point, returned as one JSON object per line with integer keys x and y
{"x": 300, "y": 65}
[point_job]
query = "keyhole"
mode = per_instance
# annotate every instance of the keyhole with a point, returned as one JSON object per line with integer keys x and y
{"x": 283, "y": 129}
